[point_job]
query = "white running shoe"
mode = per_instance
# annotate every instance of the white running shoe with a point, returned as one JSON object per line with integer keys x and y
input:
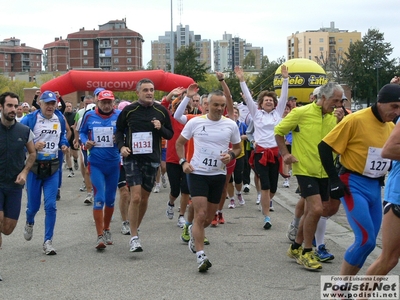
{"x": 285, "y": 183}
{"x": 48, "y": 248}
{"x": 71, "y": 174}
{"x": 271, "y": 206}
{"x": 232, "y": 204}
{"x": 76, "y": 167}
{"x": 258, "y": 199}
{"x": 135, "y": 245}
{"x": 203, "y": 264}
{"x": 164, "y": 181}
{"x": 89, "y": 199}
{"x": 125, "y": 230}
{"x": 181, "y": 221}
{"x": 156, "y": 189}
{"x": 240, "y": 199}
{"x": 28, "y": 232}
{"x": 191, "y": 245}
{"x": 170, "y": 211}
{"x": 107, "y": 237}
{"x": 292, "y": 232}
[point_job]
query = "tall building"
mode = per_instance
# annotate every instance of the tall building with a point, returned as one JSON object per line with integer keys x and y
{"x": 56, "y": 55}
{"x": 112, "y": 47}
{"x": 17, "y": 57}
{"x": 182, "y": 37}
{"x": 322, "y": 45}
{"x": 232, "y": 51}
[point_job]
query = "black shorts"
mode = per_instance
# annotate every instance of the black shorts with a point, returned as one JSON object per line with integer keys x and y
{"x": 395, "y": 208}
{"x": 139, "y": 172}
{"x": 310, "y": 186}
{"x": 122, "y": 177}
{"x": 71, "y": 141}
{"x": 210, "y": 187}
{"x": 177, "y": 180}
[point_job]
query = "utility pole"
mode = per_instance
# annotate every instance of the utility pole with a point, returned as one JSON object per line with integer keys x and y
{"x": 171, "y": 47}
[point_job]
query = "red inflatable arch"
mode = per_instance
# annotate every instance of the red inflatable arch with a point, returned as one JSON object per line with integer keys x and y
{"x": 76, "y": 80}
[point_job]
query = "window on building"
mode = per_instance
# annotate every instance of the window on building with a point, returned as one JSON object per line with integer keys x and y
{"x": 128, "y": 51}
{"x": 5, "y": 56}
{"x": 351, "y": 41}
{"x": 115, "y": 51}
{"x": 84, "y": 43}
{"x": 85, "y": 62}
{"x": 85, "y": 53}
{"x": 340, "y": 40}
{"x": 115, "y": 42}
{"x": 116, "y": 60}
{"x": 309, "y": 41}
{"x": 340, "y": 49}
{"x": 321, "y": 40}
{"x": 128, "y": 42}
{"x": 6, "y": 64}
{"x": 309, "y": 57}
{"x": 309, "y": 49}
{"x": 321, "y": 48}
{"x": 129, "y": 60}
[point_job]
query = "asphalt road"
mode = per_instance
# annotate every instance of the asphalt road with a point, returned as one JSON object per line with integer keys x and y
{"x": 248, "y": 261}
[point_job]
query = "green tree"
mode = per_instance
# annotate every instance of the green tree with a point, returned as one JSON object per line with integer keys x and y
{"x": 249, "y": 62}
{"x": 367, "y": 67}
{"x": 187, "y": 63}
{"x": 265, "y": 80}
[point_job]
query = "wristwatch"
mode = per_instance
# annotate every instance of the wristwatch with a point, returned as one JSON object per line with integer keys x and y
{"x": 182, "y": 161}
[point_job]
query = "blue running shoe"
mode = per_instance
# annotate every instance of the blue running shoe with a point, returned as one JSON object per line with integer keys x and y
{"x": 322, "y": 253}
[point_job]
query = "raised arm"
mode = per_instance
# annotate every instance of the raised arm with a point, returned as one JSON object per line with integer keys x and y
{"x": 246, "y": 92}
{"x": 179, "y": 113}
{"x": 227, "y": 92}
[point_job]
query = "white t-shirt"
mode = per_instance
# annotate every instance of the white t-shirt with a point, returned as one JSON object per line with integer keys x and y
{"x": 211, "y": 139}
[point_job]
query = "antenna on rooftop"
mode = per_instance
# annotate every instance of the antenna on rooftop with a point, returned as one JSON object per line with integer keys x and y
{"x": 180, "y": 9}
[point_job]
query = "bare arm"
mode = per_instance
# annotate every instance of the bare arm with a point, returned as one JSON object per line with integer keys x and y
{"x": 21, "y": 178}
{"x": 227, "y": 92}
{"x": 391, "y": 149}
{"x": 180, "y": 150}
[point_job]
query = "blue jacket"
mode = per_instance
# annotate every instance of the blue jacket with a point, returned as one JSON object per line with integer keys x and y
{"x": 30, "y": 121}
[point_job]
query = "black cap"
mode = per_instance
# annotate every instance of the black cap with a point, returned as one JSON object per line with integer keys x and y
{"x": 389, "y": 93}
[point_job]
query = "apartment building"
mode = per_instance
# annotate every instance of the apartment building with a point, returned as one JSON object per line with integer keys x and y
{"x": 324, "y": 45}
{"x": 56, "y": 55}
{"x": 16, "y": 57}
{"x": 182, "y": 37}
{"x": 231, "y": 51}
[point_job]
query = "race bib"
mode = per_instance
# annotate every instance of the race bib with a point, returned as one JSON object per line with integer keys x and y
{"x": 103, "y": 136}
{"x": 142, "y": 142}
{"x": 375, "y": 165}
{"x": 210, "y": 160}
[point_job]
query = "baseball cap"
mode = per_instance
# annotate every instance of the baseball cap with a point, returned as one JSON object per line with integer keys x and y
{"x": 122, "y": 104}
{"x": 389, "y": 93}
{"x": 98, "y": 90}
{"x": 105, "y": 95}
{"x": 292, "y": 98}
{"x": 25, "y": 104}
{"x": 48, "y": 96}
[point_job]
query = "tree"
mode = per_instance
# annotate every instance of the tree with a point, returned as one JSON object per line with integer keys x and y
{"x": 265, "y": 80}
{"x": 367, "y": 66}
{"x": 187, "y": 63}
{"x": 249, "y": 62}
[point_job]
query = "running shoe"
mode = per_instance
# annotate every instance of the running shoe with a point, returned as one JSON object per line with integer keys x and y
{"x": 215, "y": 221}
{"x": 48, "y": 248}
{"x": 100, "y": 244}
{"x": 76, "y": 167}
{"x": 322, "y": 254}
{"x": 107, "y": 237}
{"x": 28, "y": 231}
{"x": 206, "y": 241}
{"x": 267, "y": 222}
{"x": 294, "y": 253}
{"x": 164, "y": 181}
{"x": 156, "y": 189}
{"x": 291, "y": 233}
{"x": 246, "y": 189}
{"x": 135, "y": 245}
{"x": 125, "y": 230}
{"x": 191, "y": 245}
{"x": 170, "y": 211}
{"x": 240, "y": 199}
{"x": 185, "y": 237}
{"x": 309, "y": 261}
{"x": 285, "y": 183}
{"x": 181, "y": 221}
{"x": 232, "y": 204}
{"x": 271, "y": 206}
{"x": 203, "y": 264}
{"x": 221, "y": 219}
{"x": 83, "y": 187}
{"x": 71, "y": 174}
{"x": 89, "y": 199}
{"x": 258, "y": 199}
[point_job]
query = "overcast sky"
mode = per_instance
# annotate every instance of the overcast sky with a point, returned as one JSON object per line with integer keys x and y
{"x": 264, "y": 23}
